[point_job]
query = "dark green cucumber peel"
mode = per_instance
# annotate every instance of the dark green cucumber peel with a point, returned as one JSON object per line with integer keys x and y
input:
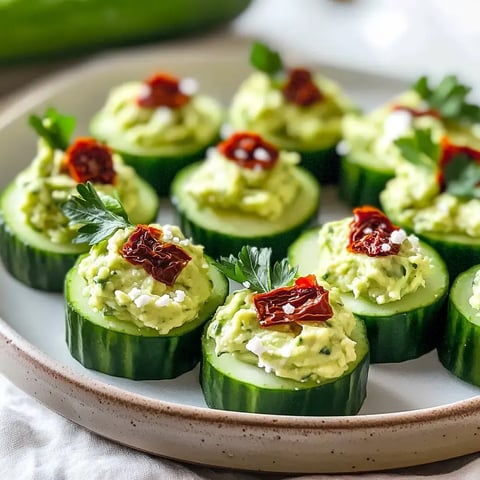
{"x": 397, "y": 331}
{"x": 323, "y": 164}
{"x": 225, "y": 232}
{"x": 361, "y": 184}
{"x": 35, "y": 261}
{"x": 121, "y": 349}
{"x": 459, "y": 350}
{"x": 230, "y": 384}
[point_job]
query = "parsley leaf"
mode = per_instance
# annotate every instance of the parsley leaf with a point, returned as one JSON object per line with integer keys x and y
{"x": 420, "y": 149}
{"x": 252, "y": 267}
{"x": 100, "y": 216}
{"x": 449, "y": 98}
{"x": 462, "y": 177}
{"x": 55, "y": 128}
{"x": 265, "y": 59}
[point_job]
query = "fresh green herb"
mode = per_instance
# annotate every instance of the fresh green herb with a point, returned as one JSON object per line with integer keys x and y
{"x": 265, "y": 59}
{"x": 420, "y": 149}
{"x": 252, "y": 268}
{"x": 100, "y": 216}
{"x": 462, "y": 177}
{"x": 54, "y": 128}
{"x": 448, "y": 98}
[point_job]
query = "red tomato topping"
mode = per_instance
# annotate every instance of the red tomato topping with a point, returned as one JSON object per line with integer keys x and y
{"x": 300, "y": 88}
{"x": 163, "y": 261}
{"x": 370, "y": 232}
{"x": 449, "y": 152}
{"x": 417, "y": 112}
{"x": 249, "y": 150}
{"x": 306, "y": 301}
{"x": 162, "y": 90}
{"x": 88, "y": 160}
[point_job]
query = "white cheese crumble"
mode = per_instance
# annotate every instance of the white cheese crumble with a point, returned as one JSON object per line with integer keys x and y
{"x": 246, "y": 284}
{"x": 342, "y": 148}
{"x": 188, "y": 86}
{"x": 226, "y": 131}
{"x": 261, "y": 154}
{"x": 367, "y": 231}
{"x": 142, "y": 300}
{"x": 240, "y": 154}
{"x": 179, "y": 296}
{"x": 163, "y": 115}
{"x": 255, "y": 346}
{"x": 395, "y": 125}
{"x": 398, "y": 236}
{"x": 134, "y": 293}
{"x": 288, "y": 308}
{"x": 385, "y": 247}
{"x": 163, "y": 301}
{"x": 167, "y": 234}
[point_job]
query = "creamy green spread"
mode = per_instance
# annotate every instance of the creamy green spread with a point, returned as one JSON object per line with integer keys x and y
{"x": 45, "y": 188}
{"x": 259, "y": 105}
{"x": 414, "y": 198}
{"x": 116, "y": 287}
{"x": 320, "y": 350}
{"x": 196, "y": 123}
{"x": 369, "y": 139}
{"x": 381, "y": 279}
{"x": 474, "y": 300}
{"x": 220, "y": 183}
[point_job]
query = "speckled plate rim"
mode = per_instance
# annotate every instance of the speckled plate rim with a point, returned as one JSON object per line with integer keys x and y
{"x": 382, "y": 441}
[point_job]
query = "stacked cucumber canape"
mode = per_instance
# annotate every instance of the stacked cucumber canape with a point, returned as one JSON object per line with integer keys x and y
{"x": 35, "y": 238}
{"x": 294, "y": 109}
{"x": 137, "y": 302}
{"x": 245, "y": 192}
{"x": 159, "y": 125}
{"x": 370, "y": 155}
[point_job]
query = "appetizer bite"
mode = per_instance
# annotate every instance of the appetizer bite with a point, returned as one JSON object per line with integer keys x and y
{"x": 294, "y": 109}
{"x": 460, "y": 345}
{"x": 435, "y": 194}
{"x": 159, "y": 125}
{"x": 391, "y": 280}
{"x": 35, "y": 237}
{"x": 137, "y": 302}
{"x": 370, "y": 153}
{"x": 279, "y": 348}
{"x": 245, "y": 192}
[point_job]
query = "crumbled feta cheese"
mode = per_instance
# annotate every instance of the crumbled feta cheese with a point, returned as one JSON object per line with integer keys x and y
{"x": 175, "y": 239}
{"x": 288, "y": 308}
{"x": 179, "y": 296}
{"x": 398, "y": 236}
{"x": 395, "y": 125}
{"x": 367, "y": 231}
{"x": 163, "y": 301}
{"x": 240, "y": 154}
{"x": 261, "y": 154}
{"x": 134, "y": 293}
{"x": 246, "y": 284}
{"x": 163, "y": 115}
{"x": 142, "y": 300}
{"x": 188, "y": 86}
{"x": 167, "y": 233}
{"x": 342, "y": 148}
{"x": 226, "y": 130}
{"x": 255, "y": 346}
{"x": 385, "y": 247}
{"x": 185, "y": 242}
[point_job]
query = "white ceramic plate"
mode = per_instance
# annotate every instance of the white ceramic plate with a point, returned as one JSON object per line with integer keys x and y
{"x": 416, "y": 412}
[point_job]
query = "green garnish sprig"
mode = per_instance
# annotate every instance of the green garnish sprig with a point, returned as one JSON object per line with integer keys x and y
{"x": 263, "y": 58}
{"x": 420, "y": 149}
{"x": 252, "y": 268}
{"x": 448, "y": 98}
{"x": 99, "y": 216}
{"x": 462, "y": 177}
{"x": 56, "y": 129}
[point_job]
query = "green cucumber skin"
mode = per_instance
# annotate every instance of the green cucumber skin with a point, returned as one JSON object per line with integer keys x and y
{"x": 360, "y": 185}
{"x": 32, "y": 266}
{"x": 343, "y": 396}
{"x": 390, "y": 336}
{"x": 322, "y": 164}
{"x": 459, "y": 350}
{"x": 137, "y": 357}
{"x": 33, "y": 29}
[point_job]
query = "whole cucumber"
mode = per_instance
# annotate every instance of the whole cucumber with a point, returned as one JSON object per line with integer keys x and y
{"x": 40, "y": 28}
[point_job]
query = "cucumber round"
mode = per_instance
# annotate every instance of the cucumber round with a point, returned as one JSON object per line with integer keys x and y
{"x": 323, "y": 164}
{"x": 459, "y": 349}
{"x": 225, "y": 232}
{"x": 399, "y": 330}
{"x": 230, "y": 384}
{"x": 361, "y": 183}
{"x": 32, "y": 258}
{"x": 119, "y": 348}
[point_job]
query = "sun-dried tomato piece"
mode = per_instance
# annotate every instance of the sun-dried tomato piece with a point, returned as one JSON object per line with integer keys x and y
{"x": 249, "y": 150}
{"x": 300, "y": 88}
{"x": 162, "y": 90}
{"x": 449, "y": 152}
{"x": 305, "y": 301}
{"x": 163, "y": 261}
{"x": 88, "y": 160}
{"x": 417, "y": 112}
{"x": 370, "y": 233}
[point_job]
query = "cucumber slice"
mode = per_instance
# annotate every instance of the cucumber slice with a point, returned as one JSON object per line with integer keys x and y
{"x": 459, "y": 349}
{"x": 223, "y": 232}
{"x": 119, "y": 348}
{"x": 231, "y": 384}
{"x": 36, "y": 261}
{"x": 399, "y": 330}
{"x": 361, "y": 183}
{"x": 323, "y": 164}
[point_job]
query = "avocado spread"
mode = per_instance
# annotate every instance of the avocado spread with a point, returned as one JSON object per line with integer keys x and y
{"x": 222, "y": 184}
{"x": 260, "y": 106}
{"x": 320, "y": 350}
{"x": 382, "y": 279}
{"x": 128, "y": 127}
{"x": 414, "y": 198}
{"x": 116, "y": 287}
{"x": 45, "y": 187}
